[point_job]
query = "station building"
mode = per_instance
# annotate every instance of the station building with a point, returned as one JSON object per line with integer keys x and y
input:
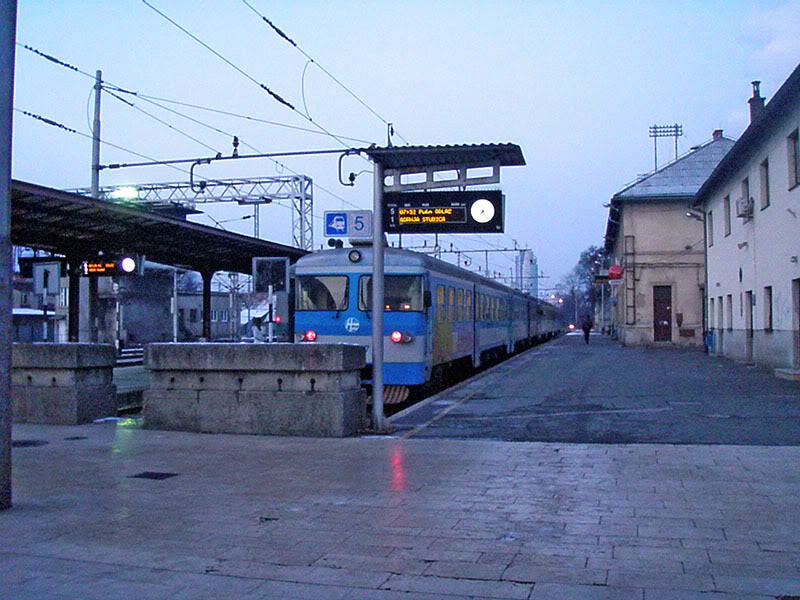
{"x": 660, "y": 298}
{"x": 752, "y": 213}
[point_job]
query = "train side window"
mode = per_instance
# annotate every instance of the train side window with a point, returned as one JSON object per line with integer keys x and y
{"x": 451, "y": 304}
{"x": 401, "y": 293}
{"x": 440, "y": 303}
{"x": 460, "y": 303}
{"x": 468, "y": 305}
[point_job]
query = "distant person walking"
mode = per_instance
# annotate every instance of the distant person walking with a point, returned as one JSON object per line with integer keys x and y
{"x": 587, "y": 327}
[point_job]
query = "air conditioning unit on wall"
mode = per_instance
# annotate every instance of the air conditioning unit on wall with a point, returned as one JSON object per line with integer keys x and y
{"x": 744, "y": 208}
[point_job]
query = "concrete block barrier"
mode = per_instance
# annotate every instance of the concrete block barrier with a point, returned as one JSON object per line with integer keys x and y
{"x": 309, "y": 390}
{"x": 62, "y": 384}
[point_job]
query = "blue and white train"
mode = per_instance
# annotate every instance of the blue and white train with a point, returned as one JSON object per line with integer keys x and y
{"x": 438, "y": 318}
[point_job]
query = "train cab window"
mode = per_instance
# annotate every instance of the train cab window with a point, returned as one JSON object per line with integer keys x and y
{"x": 468, "y": 305}
{"x": 460, "y": 304}
{"x": 321, "y": 292}
{"x": 451, "y": 304}
{"x": 401, "y": 293}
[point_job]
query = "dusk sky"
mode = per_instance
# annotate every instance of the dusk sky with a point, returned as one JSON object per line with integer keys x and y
{"x": 576, "y": 85}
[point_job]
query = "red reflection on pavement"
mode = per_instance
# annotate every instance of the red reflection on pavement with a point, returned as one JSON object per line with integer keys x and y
{"x": 398, "y": 470}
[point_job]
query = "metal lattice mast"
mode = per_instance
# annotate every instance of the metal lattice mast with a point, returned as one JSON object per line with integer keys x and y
{"x": 297, "y": 189}
{"x": 303, "y": 215}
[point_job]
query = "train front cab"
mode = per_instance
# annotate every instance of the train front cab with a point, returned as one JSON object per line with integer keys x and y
{"x": 337, "y": 308}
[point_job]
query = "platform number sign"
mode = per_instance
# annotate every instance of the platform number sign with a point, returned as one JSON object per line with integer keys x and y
{"x": 270, "y": 272}
{"x": 348, "y": 223}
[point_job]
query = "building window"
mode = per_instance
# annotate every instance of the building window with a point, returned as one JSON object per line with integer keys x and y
{"x": 729, "y": 310}
{"x": 181, "y": 314}
{"x": 727, "y": 205}
{"x": 63, "y": 300}
{"x": 764, "y": 184}
{"x": 710, "y": 226}
{"x": 213, "y": 316}
{"x": 768, "y": 308}
{"x": 794, "y": 159}
{"x": 746, "y": 194}
{"x": 223, "y": 316}
{"x": 720, "y": 323}
{"x": 711, "y": 312}
{"x": 192, "y": 315}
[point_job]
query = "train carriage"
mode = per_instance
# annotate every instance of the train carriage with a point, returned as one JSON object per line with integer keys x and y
{"x": 438, "y": 318}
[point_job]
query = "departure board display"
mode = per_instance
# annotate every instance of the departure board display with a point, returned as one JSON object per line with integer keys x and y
{"x": 443, "y": 212}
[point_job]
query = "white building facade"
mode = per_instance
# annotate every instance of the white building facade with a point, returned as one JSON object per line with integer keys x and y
{"x": 752, "y": 215}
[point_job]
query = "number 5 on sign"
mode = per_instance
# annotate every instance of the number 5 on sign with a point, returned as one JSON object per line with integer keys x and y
{"x": 359, "y": 223}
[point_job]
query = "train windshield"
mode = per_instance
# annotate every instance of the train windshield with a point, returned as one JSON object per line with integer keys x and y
{"x": 321, "y": 292}
{"x": 401, "y": 293}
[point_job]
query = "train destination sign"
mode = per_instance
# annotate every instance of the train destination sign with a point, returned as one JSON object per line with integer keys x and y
{"x": 443, "y": 212}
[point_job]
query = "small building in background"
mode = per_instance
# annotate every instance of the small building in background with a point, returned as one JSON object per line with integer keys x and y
{"x": 752, "y": 212}
{"x": 660, "y": 297}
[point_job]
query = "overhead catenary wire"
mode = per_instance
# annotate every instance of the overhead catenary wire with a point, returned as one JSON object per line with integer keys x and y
{"x": 53, "y": 123}
{"x": 155, "y": 118}
{"x": 152, "y": 98}
{"x": 244, "y": 73}
{"x": 155, "y": 99}
{"x": 281, "y": 34}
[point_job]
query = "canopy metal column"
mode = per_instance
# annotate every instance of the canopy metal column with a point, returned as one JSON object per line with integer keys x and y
{"x": 8, "y": 24}
{"x": 394, "y": 162}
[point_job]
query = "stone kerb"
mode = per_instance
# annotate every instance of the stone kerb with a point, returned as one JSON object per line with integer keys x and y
{"x": 62, "y": 384}
{"x": 270, "y": 389}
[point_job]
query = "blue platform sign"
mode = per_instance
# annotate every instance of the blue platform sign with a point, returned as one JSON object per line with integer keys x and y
{"x": 348, "y": 223}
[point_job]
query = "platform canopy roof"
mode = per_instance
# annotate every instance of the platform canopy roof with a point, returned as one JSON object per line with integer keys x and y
{"x": 403, "y": 157}
{"x": 75, "y": 225}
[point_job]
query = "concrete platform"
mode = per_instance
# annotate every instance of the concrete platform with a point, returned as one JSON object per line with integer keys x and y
{"x": 790, "y": 374}
{"x": 112, "y": 510}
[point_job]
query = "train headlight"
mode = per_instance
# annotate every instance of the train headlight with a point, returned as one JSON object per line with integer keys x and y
{"x": 354, "y": 256}
{"x": 310, "y": 336}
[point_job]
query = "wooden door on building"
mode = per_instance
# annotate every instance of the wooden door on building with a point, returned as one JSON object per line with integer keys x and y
{"x": 662, "y": 313}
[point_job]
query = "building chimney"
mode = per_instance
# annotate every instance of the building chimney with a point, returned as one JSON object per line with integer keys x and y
{"x": 717, "y": 134}
{"x": 756, "y": 102}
